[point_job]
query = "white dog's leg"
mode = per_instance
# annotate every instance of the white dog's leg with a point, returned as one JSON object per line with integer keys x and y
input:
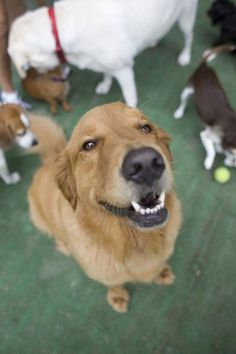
{"x": 186, "y": 93}
{"x": 126, "y": 80}
{"x": 105, "y": 85}
{"x": 4, "y": 173}
{"x": 209, "y": 147}
{"x": 186, "y": 24}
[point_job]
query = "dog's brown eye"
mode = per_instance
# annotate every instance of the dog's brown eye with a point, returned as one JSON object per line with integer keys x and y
{"x": 146, "y": 128}
{"x": 89, "y": 145}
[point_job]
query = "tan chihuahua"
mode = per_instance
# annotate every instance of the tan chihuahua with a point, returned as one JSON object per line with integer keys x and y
{"x": 52, "y": 87}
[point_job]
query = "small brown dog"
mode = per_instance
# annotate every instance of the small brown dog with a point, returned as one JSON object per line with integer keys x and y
{"x": 52, "y": 87}
{"x": 14, "y": 128}
{"x": 108, "y": 199}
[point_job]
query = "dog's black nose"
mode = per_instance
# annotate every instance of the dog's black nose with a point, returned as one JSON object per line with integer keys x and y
{"x": 144, "y": 165}
{"x": 34, "y": 142}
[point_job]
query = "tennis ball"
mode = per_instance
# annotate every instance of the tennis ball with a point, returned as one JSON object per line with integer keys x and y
{"x": 222, "y": 175}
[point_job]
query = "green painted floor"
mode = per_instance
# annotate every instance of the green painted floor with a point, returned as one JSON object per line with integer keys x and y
{"x": 48, "y": 305}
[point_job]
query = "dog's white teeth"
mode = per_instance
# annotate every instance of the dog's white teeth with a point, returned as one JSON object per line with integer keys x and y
{"x": 162, "y": 198}
{"x": 144, "y": 211}
{"x": 136, "y": 206}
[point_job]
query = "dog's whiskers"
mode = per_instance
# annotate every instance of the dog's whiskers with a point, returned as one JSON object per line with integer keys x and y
{"x": 148, "y": 101}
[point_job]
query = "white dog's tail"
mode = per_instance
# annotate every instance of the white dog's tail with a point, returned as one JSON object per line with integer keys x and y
{"x": 211, "y": 54}
{"x": 50, "y": 136}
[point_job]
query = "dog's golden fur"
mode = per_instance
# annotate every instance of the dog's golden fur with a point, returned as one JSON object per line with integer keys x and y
{"x": 50, "y": 87}
{"x": 65, "y": 194}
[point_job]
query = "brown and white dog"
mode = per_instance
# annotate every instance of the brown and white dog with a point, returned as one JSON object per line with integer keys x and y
{"x": 108, "y": 199}
{"x": 52, "y": 87}
{"x": 214, "y": 110}
{"x": 14, "y": 129}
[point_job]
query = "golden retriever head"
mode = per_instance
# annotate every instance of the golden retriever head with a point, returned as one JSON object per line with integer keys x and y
{"x": 14, "y": 127}
{"x": 118, "y": 162}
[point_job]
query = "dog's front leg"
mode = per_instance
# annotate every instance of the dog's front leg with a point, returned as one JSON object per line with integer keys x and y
{"x": 209, "y": 147}
{"x": 126, "y": 80}
{"x": 118, "y": 298}
{"x": 9, "y": 178}
{"x": 53, "y": 105}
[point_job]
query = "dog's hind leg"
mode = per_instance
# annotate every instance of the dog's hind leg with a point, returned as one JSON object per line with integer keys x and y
{"x": 66, "y": 106}
{"x": 105, "y": 85}
{"x": 9, "y": 178}
{"x": 118, "y": 298}
{"x": 126, "y": 80}
{"x": 186, "y": 24}
{"x": 209, "y": 147}
{"x": 186, "y": 93}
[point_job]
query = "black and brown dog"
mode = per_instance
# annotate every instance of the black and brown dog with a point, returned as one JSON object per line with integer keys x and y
{"x": 214, "y": 110}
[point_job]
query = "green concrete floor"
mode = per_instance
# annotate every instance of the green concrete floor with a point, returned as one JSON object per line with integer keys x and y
{"x": 48, "y": 305}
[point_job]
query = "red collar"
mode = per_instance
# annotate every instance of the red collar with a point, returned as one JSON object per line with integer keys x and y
{"x": 58, "y": 49}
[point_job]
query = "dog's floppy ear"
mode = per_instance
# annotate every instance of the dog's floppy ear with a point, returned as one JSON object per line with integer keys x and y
{"x": 6, "y": 135}
{"x": 65, "y": 179}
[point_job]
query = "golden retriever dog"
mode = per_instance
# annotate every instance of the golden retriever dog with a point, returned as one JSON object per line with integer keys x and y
{"x": 108, "y": 200}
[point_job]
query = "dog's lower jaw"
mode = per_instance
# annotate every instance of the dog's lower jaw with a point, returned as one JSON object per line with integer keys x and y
{"x": 148, "y": 213}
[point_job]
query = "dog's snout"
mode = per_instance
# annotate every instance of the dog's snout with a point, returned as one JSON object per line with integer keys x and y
{"x": 143, "y": 165}
{"x": 34, "y": 142}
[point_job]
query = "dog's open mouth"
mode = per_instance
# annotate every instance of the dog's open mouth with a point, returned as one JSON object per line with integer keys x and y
{"x": 149, "y": 212}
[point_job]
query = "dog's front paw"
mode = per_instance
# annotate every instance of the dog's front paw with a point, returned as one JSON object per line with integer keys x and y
{"x": 166, "y": 276}
{"x": 178, "y": 113}
{"x": 13, "y": 178}
{"x": 184, "y": 59}
{"x": 118, "y": 298}
{"x": 208, "y": 163}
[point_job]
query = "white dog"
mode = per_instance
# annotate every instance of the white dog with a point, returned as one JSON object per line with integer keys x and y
{"x": 103, "y": 36}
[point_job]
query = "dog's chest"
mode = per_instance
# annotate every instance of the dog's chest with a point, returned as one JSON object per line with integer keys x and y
{"x": 102, "y": 265}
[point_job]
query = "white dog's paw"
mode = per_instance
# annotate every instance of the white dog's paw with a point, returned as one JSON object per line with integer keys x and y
{"x": 230, "y": 162}
{"x": 208, "y": 163}
{"x": 178, "y": 114}
{"x": 103, "y": 88}
{"x": 14, "y": 178}
{"x": 184, "y": 58}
